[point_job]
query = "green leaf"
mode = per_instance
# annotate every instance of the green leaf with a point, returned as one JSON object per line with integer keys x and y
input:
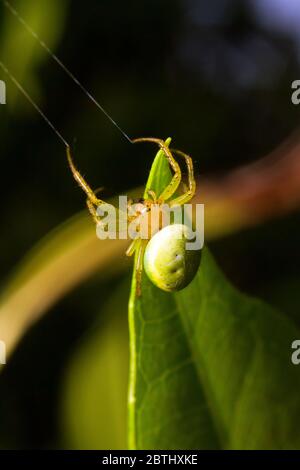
{"x": 210, "y": 368}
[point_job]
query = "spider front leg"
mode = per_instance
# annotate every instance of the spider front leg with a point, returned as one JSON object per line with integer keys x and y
{"x": 189, "y": 194}
{"x": 93, "y": 202}
{"x": 175, "y": 182}
{"x": 92, "y": 198}
{"x": 93, "y": 211}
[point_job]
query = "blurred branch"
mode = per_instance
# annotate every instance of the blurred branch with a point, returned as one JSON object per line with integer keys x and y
{"x": 254, "y": 193}
{"x": 243, "y": 198}
{"x": 63, "y": 260}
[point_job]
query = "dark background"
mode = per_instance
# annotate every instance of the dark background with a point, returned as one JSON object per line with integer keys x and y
{"x": 216, "y": 77}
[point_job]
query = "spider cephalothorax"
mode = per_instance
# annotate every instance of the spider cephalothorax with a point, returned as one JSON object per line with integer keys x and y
{"x": 167, "y": 262}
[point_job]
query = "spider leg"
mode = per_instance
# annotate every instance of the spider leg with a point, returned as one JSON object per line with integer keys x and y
{"x": 140, "y": 250}
{"x": 152, "y": 194}
{"x": 93, "y": 211}
{"x": 138, "y": 246}
{"x": 132, "y": 247}
{"x": 175, "y": 182}
{"x": 81, "y": 181}
{"x": 93, "y": 202}
{"x": 187, "y": 196}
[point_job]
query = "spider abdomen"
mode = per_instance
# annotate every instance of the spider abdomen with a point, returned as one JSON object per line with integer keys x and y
{"x": 168, "y": 264}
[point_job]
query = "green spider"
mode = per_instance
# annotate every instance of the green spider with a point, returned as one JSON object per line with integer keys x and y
{"x": 166, "y": 261}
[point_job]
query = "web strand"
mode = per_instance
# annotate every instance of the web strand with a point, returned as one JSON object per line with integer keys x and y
{"x": 14, "y": 12}
{"x": 28, "y": 97}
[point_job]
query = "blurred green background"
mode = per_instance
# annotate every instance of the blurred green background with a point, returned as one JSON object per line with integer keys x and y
{"x": 217, "y": 78}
